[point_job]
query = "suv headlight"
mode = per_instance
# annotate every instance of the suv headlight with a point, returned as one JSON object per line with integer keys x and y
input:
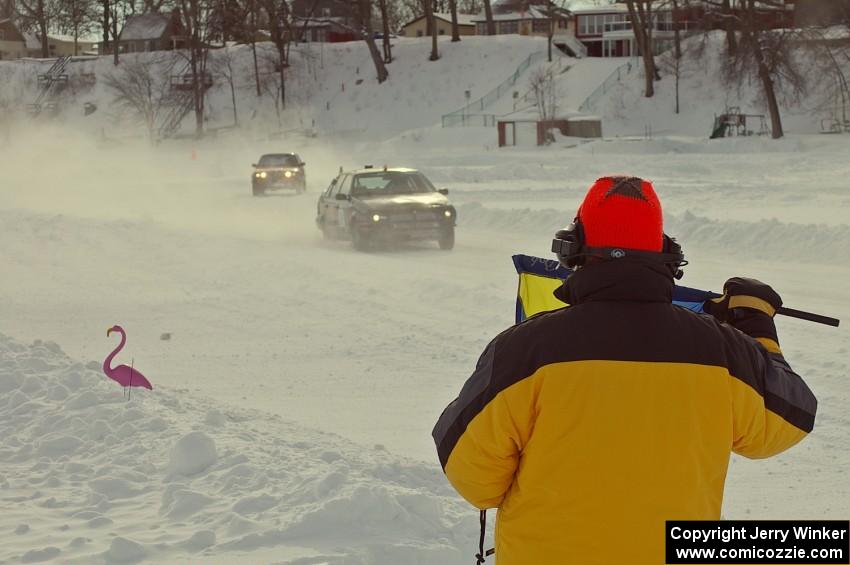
{"x": 448, "y": 213}
{"x": 261, "y": 175}
{"x": 288, "y": 174}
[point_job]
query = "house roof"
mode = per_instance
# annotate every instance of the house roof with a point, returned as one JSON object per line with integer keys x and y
{"x": 585, "y": 7}
{"x": 13, "y": 26}
{"x": 320, "y": 22}
{"x": 70, "y": 38}
{"x": 462, "y": 19}
{"x": 145, "y": 26}
{"x": 532, "y": 13}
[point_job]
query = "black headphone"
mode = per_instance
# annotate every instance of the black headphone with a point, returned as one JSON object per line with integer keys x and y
{"x": 569, "y": 246}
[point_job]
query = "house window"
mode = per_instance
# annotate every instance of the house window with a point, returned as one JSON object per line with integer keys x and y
{"x": 591, "y": 25}
{"x": 562, "y": 24}
{"x": 616, "y": 22}
{"x": 509, "y": 27}
{"x": 540, "y": 26}
{"x": 418, "y": 33}
{"x": 441, "y": 31}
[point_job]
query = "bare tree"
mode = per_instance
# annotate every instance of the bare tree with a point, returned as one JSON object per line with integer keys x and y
{"x": 363, "y": 16}
{"x": 677, "y": 49}
{"x": 252, "y": 30}
{"x": 106, "y": 26}
{"x": 149, "y": 6}
{"x": 197, "y": 25}
{"x": 270, "y": 82}
{"x": 230, "y": 17}
{"x": 141, "y": 86}
{"x": 827, "y": 62}
{"x": 115, "y": 36}
{"x": 488, "y": 15}
{"x": 38, "y": 15}
{"x": 455, "y": 27}
{"x": 729, "y": 26}
{"x": 766, "y": 55}
{"x": 469, "y": 6}
{"x": 7, "y": 9}
{"x": 432, "y": 29}
{"x": 385, "y": 25}
{"x": 543, "y": 85}
{"x": 399, "y": 12}
{"x": 640, "y": 12}
{"x": 281, "y": 31}
{"x": 77, "y": 17}
{"x": 109, "y": 25}
{"x": 224, "y": 65}
{"x": 553, "y": 12}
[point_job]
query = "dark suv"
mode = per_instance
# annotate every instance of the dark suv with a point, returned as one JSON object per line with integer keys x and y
{"x": 276, "y": 171}
{"x": 372, "y": 206}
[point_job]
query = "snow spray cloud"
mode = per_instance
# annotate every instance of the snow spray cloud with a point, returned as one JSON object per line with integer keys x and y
{"x": 200, "y": 186}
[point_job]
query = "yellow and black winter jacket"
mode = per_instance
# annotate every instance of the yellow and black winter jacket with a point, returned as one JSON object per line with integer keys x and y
{"x": 589, "y": 426}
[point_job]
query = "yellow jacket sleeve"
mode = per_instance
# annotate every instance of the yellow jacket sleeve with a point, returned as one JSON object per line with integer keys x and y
{"x": 481, "y": 434}
{"x": 773, "y": 409}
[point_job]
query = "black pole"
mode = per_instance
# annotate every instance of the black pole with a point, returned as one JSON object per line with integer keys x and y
{"x": 793, "y": 313}
{"x": 808, "y": 316}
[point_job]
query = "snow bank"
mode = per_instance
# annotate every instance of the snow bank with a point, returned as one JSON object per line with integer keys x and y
{"x": 765, "y": 238}
{"x": 89, "y": 477}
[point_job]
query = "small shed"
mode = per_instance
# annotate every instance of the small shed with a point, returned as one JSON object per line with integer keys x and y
{"x": 524, "y": 132}
{"x": 528, "y": 130}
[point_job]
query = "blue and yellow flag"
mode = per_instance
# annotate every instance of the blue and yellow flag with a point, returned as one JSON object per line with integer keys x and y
{"x": 538, "y": 279}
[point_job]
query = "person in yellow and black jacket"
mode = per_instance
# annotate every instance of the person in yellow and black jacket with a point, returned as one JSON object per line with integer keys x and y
{"x": 589, "y": 426}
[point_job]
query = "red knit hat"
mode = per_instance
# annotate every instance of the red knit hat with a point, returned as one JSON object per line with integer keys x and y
{"x": 622, "y": 212}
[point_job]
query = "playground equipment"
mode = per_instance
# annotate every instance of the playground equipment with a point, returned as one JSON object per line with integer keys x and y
{"x": 733, "y": 123}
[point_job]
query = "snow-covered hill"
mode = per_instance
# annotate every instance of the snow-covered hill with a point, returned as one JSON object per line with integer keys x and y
{"x": 703, "y": 94}
{"x": 330, "y": 88}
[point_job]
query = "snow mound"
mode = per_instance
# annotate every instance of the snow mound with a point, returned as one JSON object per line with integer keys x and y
{"x": 116, "y": 481}
{"x": 192, "y": 454}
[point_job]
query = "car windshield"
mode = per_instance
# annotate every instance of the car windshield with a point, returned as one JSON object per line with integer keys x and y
{"x": 279, "y": 161}
{"x": 390, "y": 182}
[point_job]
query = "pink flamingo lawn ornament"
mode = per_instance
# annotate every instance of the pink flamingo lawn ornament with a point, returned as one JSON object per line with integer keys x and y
{"x": 122, "y": 374}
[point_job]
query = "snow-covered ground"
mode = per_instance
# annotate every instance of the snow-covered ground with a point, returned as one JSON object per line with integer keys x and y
{"x": 276, "y": 333}
{"x": 291, "y": 415}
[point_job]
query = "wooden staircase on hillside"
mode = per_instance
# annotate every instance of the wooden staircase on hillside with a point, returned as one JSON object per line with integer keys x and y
{"x": 50, "y": 84}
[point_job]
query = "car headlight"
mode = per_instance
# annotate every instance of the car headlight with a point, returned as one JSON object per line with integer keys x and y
{"x": 376, "y": 217}
{"x": 288, "y": 174}
{"x": 261, "y": 175}
{"x": 447, "y": 213}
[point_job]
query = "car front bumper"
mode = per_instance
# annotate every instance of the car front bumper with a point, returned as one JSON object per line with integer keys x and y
{"x": 390, "y": 229}
{"x": 279, "y": 182}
